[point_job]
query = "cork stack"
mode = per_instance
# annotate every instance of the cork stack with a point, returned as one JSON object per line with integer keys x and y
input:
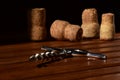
{"x": 63, "y": 30}
{"x": 107, "y": 28}
{"x": 90, "y": 23}
{"x": 38, "y": 27}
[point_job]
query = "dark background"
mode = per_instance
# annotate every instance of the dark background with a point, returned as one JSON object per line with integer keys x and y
{"x": 14, "y": 18}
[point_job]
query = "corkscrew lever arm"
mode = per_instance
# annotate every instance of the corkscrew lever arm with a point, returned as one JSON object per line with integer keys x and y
{"x": 76, "y": 52}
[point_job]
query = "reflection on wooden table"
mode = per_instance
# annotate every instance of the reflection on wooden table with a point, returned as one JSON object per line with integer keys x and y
{"x": 14, "y": 64}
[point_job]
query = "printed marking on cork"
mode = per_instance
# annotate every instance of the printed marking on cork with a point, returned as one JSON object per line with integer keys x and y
{"x": 38, "y": 24}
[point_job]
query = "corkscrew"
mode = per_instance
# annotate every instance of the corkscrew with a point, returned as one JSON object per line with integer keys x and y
{"x": 51, "y": 53}
{"x": 76, "y": 52}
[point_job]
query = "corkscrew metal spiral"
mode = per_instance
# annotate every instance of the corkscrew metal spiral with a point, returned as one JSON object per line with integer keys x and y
{"x": 51, "y": 53}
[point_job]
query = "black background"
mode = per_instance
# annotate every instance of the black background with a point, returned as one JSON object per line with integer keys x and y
{"x": 14, "y": 18}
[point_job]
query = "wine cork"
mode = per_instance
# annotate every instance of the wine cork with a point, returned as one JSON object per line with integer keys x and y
{"x": 90, "y": 30}
{"x": 57, "y": 29}
{"x": 38, "y": 33}
{"x": 107, "y": 28}
{"x": 90, "y": 23}
{"x": 107, "y": 18}
{"x": 73, "y": 32}
{"x": 38, "y": 30}
{"x": 89, "y": 16}
{"x": 38, "y": 16}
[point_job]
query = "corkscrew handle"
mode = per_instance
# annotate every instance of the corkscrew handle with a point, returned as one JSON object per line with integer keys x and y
{"x": 97, "y": 55}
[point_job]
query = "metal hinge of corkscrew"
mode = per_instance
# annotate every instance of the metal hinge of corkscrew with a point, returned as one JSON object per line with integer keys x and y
{"x": 52, "y": 54}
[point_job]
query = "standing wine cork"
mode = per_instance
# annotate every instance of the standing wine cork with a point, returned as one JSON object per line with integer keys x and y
{"x": 107, "y": 28}
{"x": 89, "y": 16}
{"x": 38, "y": 30}
{"x": 73, "y": 32}
{"x": 57, "y": 29}
{"x": 90, "y": 23}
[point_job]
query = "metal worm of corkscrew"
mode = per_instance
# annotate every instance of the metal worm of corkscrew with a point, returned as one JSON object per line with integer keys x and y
{"x": 53, "y": 54}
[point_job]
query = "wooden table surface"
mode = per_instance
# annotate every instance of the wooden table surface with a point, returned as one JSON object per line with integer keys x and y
{"x": 14, "y": 64}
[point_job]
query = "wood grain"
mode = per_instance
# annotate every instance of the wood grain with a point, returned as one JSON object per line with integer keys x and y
{"x": 14, "y": 64}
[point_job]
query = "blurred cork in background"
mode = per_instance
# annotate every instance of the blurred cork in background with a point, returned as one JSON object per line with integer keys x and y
{"x": 37, "y": 27}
